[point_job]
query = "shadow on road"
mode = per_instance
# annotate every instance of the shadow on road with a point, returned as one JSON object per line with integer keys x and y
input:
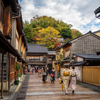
{"x": 22, "y": 93}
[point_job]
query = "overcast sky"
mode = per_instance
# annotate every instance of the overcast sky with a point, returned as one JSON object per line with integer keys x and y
{"x": 79, "y": 13}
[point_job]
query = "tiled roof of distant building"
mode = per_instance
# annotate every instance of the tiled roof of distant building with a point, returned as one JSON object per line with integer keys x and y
{"x": 37, "y": 48}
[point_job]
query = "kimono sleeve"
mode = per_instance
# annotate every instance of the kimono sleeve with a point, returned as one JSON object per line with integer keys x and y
{"x": 62, "y": 74}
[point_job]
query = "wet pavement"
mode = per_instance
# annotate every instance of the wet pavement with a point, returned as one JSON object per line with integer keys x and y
{"x": 34, "y": 89}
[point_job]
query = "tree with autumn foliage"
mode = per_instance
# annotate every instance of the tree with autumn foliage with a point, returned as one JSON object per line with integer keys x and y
{"x": 43, "y": 25}
{"x": 76, "y": 33}
{"x": 49, "y": 37}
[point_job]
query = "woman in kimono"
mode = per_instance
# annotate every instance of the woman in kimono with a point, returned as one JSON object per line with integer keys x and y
{"x": 73, "y": 78}
{"x": 33, "y": 70}
{"x": 39, "y": 71}
{"x": 66, "y": 73}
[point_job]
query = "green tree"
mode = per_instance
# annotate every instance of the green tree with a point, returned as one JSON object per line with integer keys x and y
{"x": 66, "y": 33}
{"x": 28, "y": 34}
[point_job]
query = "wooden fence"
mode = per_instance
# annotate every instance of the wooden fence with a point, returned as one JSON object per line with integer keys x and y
{"x": 91, "y": 75}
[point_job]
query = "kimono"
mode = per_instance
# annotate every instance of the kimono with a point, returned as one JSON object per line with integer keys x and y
{"x": 39, "y": 71}
{"x": 30, "y": 71}
{"x": 73, "y": 79}
{"x": 33, "y": 71}
{"x": 66, "y": 78}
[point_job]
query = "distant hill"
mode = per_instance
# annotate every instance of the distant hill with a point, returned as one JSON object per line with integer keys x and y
{"x": 40, "y": 26}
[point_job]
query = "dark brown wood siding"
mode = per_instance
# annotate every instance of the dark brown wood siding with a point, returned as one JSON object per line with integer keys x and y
{"x": 12, "y": 70}
{"x": 8, "y": 22}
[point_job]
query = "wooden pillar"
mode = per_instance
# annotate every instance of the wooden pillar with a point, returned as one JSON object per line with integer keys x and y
{"x": 19, "y": 44}
{"x": 13, "y": 33}
{"x": 2, "y": 77}
{"x": 99, "y": 75}
{"x": 9, "y": 72}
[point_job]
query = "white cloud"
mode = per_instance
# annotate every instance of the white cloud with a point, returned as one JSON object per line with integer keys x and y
{"x": 76, "y": 12}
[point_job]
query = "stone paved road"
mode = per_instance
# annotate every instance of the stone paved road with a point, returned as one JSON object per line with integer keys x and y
{"x": 34, "y": 89}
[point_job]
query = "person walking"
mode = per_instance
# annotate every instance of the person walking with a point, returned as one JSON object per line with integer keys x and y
{"x": 43, "y": 72}
{"x": 52, "y": 74}
{"x": 39, "y": 71}
{"x": 73, "y": 78}
{"x": 66, "y": 73}
{"x": 28, "y": 68}
{"x": 33, "y": 70}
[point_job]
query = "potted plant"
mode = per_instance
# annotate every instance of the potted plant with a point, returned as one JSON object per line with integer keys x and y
{"x": 18, "y": 67}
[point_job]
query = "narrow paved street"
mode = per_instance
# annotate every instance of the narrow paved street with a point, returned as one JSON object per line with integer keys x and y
{"x": 34, "y": 89}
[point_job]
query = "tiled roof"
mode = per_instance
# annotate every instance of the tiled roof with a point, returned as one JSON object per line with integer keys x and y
{"x": 88, "y": 56}
{"x": 96, "y": 31}
{"x": 35, "y": 48}
{"x": 77, "y": 63}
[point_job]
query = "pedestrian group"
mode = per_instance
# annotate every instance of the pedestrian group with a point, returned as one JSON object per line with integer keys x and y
{"x": 68, "y": 77}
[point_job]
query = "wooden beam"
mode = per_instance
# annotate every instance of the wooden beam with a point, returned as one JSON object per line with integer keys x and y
{"x": 2, "y": 50}
{"x": 2, "y": 77}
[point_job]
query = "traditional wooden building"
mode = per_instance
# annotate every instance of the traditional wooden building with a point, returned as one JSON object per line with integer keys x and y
{"x": 97, "y": 14}
{"x": 37, "y": 55}
{"x": 85, "y": 45}
{"x": 13, "y": 41}
{"x": 51, "y": 58}
{"x": 57, "y": 63}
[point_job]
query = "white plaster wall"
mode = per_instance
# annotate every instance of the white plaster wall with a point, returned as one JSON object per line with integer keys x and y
{"x": 79, "y": 71}
{"x": 5, "y": 86}
{"x": 79, "y": 59}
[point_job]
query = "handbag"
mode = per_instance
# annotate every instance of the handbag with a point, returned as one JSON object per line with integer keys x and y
{"x": 51, "y": 75}
{"x": 61, "y": 81}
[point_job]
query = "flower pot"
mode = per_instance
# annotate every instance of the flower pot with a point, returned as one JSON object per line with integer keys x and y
{"x": 17, "y": 82}
{"x": 18, "y": 78}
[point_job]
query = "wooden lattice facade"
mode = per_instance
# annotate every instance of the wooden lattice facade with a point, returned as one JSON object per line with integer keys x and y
{"x": 14, "y": 50}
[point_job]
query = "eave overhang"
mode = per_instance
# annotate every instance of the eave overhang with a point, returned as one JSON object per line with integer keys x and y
{"x": 5, "y": 45}
{"x": 35, "y": 54}
{"x": 97, "y": 13}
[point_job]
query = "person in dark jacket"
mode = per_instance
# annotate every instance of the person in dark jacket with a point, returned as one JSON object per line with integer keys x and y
{"x": 52, "y": 74}
{"x": 43, "y": 72}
